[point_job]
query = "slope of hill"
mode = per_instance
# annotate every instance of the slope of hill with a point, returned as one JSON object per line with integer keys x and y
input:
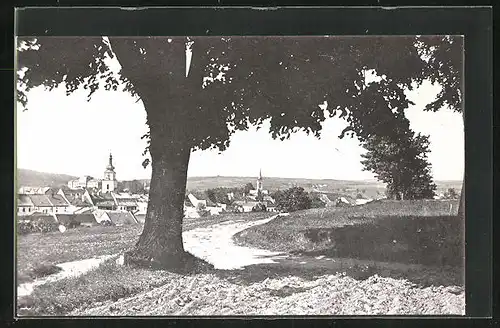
{"x": 41, "y": 179}
{"x": 369, "y": 188}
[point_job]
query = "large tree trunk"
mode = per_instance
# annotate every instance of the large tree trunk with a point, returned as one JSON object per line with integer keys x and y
{"x": 167, "y": 97}
{"x": 160, "y": 244}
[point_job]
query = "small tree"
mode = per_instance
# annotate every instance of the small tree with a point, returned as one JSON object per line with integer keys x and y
{"x": 260, "y": 207}
{"x": 202, "y": 210}
{"x": 400, "y": 160}
{"x": 260, "y": 196}
{"x": 292, "y": 199}
{"x": 248, "y": 187}
{"x": 316, "y": 201}
{"x": 451, "y": 193}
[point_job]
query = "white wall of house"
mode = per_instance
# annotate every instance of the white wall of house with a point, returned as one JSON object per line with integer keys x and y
{"x": 24, "y": 210}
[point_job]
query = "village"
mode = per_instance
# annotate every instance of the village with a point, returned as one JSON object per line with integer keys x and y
{"x": 88, "y": 201}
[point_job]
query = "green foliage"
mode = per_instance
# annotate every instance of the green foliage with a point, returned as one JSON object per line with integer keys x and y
{"x": 246, "y": 188}
{"x": 282, "y": 79}
{"x": 260, "y": 196}
{"x": 292, "y": 199}
{"x": 220, "y": 195}
{"x": 260, "y": 207}
{"x": 451, "y": 193}
{"x": 26, "y": 227}
{"x": 316, "y": 201}
{"x": 400, "y": 160}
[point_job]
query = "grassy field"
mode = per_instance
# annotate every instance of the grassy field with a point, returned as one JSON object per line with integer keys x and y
{"x": 111, "y": 289}
{"x": 418, "y": 232}
{"x": 38, "y": 253}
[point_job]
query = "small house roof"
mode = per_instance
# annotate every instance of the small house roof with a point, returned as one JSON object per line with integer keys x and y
{"x": 40, "y": 200}
{"x": 85, "y": 218}
{"x": 57, "y": 200}
{"x": 122, "y": 218}
{"x": 122, "y": 202}
{"x": 107, "y": 203}
{"x": 24, "y": 200}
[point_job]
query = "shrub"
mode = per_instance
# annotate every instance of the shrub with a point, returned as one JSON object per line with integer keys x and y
{"x": 292, "y": 199}
{"x": 259, "y": 208}
{"x": 25, "y": 227}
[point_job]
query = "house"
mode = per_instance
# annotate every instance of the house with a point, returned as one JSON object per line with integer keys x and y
{"x": 33, "y": 190}
{"x": 42, "y": 204}
{"x": 125, "y": 201}
{"x": 245, "y": 206}
{"x": 362, "y": 201}
{"x": 270, "y": 206}
{"x": 120, "y": 218}
{"x": 104, "y": 201}
{"x": 24, "y": 205}
{"x": 68, "y": 220}
{"x": 102, "y": 217}
{"x": 141, "y": 218}
{"x": 343, "y": 201}
{"x": 190, "y": 211}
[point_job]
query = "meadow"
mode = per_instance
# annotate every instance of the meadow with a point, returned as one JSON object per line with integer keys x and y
{"x": 426, "y": 232}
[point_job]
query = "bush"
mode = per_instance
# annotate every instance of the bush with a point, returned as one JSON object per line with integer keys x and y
{"x": 26, "y": 227}
{"x": 259, "y": 208}
{"x": 292, "y": 199}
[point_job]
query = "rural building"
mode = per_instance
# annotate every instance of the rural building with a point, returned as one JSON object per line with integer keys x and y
{"x": 126, "y": 201}
{"x": 44, "y": 203}
{"x": 245, "y": 206}
{"x": 84, "y": 182}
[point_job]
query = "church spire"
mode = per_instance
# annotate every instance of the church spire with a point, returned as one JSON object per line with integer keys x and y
{"x": 110, "y": 159}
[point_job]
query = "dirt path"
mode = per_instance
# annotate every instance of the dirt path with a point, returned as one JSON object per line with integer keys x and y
{"x": 69, "y": 269}
{"x": 215, "y": 245}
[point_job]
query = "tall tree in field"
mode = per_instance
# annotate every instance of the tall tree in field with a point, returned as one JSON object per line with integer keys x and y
{"x": 402, "y": 164}
{"x": 197, "y": 99}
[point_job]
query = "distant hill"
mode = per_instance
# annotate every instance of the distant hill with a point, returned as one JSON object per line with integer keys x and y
{"x": 32, "y": 178}
{"x": 369, "y": 188}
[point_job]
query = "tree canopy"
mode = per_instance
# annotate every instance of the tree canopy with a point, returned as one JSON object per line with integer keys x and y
{"x": 278, "y": 78}
{"x": 197, "y": 91}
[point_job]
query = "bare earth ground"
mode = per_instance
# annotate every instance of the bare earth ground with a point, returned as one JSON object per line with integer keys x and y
{"x": 294, "y": 285}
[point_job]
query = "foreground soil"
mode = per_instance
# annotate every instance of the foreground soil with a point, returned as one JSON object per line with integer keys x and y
{"x": 213, "y": 294}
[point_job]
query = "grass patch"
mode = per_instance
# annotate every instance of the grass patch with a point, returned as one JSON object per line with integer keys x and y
{"x": 38, "y": 250}
{"x": 108, "y": 282}
{"x": 419, "y": 232}
{"x": 38, "y": 271}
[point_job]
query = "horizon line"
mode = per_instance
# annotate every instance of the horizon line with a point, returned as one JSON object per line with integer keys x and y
{"x": 239, "y": 176}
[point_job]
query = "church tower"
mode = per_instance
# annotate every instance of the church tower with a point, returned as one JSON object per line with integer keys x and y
{"x": 109, "y": 182}
{"x": 259, "y": 181}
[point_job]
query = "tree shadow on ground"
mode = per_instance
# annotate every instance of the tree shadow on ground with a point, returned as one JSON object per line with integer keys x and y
{"x": 311, "y": 268}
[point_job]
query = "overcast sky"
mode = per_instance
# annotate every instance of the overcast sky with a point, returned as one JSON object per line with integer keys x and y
{"x": 67, "y": 134}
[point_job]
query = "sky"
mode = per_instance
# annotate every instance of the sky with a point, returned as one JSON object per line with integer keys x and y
{"x": 68, "y": 135}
